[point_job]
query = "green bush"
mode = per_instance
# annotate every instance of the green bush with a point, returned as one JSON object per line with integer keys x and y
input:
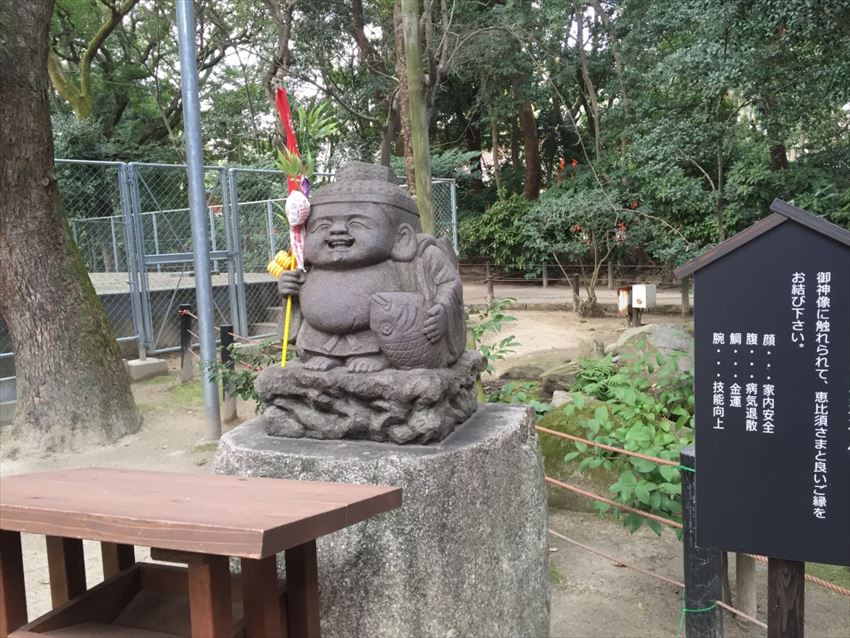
{"x": 501, "y": 234}
{"x": 648, "y": 408}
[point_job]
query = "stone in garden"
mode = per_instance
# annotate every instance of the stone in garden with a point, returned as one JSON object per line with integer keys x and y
{"x": 656, "y": 336}
{"x": 465, "y": 556}
{"x": 533, "y": 364}
{"x": 589, "y": 348}
{"x": 560, "y": 377}
{"x": 562, "y": 397}
{"x": 399, "y": 406}
{"x": 379, "y": 326}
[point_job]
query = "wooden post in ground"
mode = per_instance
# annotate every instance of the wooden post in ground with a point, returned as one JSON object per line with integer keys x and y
{"x": 786, "y": 589}
{"x": 703, "y": 583}
{"x": 686, "y": 296}
{"x": 186, "y": 365}
{"x": 489, "y": 278}
{"x": 610, "y": 275}
{"x": 228, "y": 408}
{"x": 745, "y": 583}
{"x": 545, "y": 277}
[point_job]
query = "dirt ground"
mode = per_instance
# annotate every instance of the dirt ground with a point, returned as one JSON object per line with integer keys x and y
{"x": 591, "y": 596}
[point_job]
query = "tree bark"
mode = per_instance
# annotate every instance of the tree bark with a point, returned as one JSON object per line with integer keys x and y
{"x": 418, "y": 120}
{"x": 778, "y": 157}
{"x": 72, "y": 388}
{"x": 403, "y": 102}
{"x": 497, "y": 169}
{"x": 530, "y": 143}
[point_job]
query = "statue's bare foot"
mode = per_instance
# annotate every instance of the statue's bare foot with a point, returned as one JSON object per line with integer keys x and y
{"x": 367, "y": 364}
{"x": 320, "y": 363}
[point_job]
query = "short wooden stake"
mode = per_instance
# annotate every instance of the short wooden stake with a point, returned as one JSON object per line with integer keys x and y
{"x": 186, "y": 364}
{"x": 745, "y": 584}
{"x": 228, "y": 408}
{"x": 786, "y": 596}
{"x": 489, "y": 279}
{"x": 703, "y": 582}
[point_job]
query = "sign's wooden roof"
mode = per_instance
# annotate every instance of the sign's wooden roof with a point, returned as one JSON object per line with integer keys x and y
{"x": 782, "y": 212}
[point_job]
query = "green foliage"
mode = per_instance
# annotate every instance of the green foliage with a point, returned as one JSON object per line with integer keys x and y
{"x": 502, "y": 235}
{"x": 524, "y": 392}
{"x": 314, "y": 125}
{"x": 648, "y": 408}
{"x": 248, "y": 362}
{"x": 487, "y": 320}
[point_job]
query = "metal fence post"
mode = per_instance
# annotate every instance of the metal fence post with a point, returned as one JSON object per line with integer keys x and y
{"x": 136, "y": 214}
{"x": 242, "y": 323}
{"x": 454, "y": 214}
{"x": 225, "y": 176}
{"x": 134, "y": 272}
{"x": 703, "y": 582}
{"x": 270, "y": 218}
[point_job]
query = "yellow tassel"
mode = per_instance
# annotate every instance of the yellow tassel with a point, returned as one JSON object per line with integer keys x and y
{"x": 282, "y": 262}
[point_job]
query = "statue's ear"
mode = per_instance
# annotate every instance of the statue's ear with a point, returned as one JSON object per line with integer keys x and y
{"x": 405, "y": 243}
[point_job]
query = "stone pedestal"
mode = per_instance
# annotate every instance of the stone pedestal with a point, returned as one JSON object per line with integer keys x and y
{"x": 465, "y": 556}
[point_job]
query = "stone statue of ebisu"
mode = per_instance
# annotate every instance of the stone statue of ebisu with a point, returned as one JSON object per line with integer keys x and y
{"x": 380, "y": 327}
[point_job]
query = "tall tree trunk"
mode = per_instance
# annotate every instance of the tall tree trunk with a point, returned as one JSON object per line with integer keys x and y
{"x": 403, "y": 101}
{"x": 530, "y": 143}
{"x": 418, "y": 120}
{"x": 497, "y": 169}
{"x": 72, "y": 388}
{"x": 778, "y": 157}
{"x": 517, "y": 165}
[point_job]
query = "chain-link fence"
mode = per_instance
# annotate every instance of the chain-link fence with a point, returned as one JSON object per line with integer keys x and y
{"x": 131, "y": 224}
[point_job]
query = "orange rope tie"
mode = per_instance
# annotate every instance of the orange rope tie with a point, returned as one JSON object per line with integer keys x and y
{"x": 573, "y": 488}
{"x": 610, "y": 448}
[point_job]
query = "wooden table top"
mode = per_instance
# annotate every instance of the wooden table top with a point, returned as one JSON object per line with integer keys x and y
{"x": 210, "y": 514}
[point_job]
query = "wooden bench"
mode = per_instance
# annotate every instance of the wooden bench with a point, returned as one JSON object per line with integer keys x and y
{"x": 193, "y": 519}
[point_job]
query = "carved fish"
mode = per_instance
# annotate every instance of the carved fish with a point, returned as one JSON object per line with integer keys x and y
{"x": 397, "y": 320}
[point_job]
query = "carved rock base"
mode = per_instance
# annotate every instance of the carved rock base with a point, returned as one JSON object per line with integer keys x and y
{"x": 401, "y": 406}
{"x": 466, "y": 556}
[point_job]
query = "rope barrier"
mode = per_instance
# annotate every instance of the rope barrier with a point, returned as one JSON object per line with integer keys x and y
{"x": 741, "y": 614}
{"x": 602, "y": 499}
{"x": 665, "y": 579}
{"x": 187, "y": 313}
{"x": 610, "y": 448}
{"x": 838, "y": 589}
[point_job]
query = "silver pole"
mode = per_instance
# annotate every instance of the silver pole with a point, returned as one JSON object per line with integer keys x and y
{"x": 454, "y": 214}
{"x": 155, "y": 239}
{"x": 198, "y": 210}
{"x": 114, "y": 245}
{"x": 270, "y": 217}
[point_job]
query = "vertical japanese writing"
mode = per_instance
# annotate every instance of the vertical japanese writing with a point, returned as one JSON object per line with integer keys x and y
{"x": 718, "y": 405}
{"x": 821, "y": 423}
{"x": 767, "y": 407}
{"x": 751, "y": 405}
{"x": 822, "y": 326}
{"x": 798, "y": 307}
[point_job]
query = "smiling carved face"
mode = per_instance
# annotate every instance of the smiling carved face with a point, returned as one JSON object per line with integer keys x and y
{"x": 345, "y": 235}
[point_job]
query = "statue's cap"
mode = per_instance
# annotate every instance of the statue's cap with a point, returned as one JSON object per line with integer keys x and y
{"x": 367, "y": 183}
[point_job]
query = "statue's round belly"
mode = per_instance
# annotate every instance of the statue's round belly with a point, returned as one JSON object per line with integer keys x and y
{"x": 338, "y": 302}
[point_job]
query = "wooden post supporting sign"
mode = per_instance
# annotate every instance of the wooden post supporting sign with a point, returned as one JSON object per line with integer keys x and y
{"x": 786, "y": 580}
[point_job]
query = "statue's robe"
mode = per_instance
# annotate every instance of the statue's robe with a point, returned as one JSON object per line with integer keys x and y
{"x": 334, "y": 304}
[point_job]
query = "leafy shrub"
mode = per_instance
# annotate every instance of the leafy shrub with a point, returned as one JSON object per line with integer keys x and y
{"x": 489, "y": 319}
{"x": 521, "y": 392}
{"x": 247, "y": 364}
{"x": 648, "y": 409}
{"x": 502, "y": 235}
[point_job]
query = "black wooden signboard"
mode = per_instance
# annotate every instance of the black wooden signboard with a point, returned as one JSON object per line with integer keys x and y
{"x": 772, "y": 351}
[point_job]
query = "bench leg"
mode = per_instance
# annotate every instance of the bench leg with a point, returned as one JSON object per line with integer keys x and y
{"x": 67, "y": 567}
{"x": 116, "y": 558}
{"x": 302, "y": 591}
{"x": 210, "y": 608}
{"x": 261, "y": 599}
{"x": 13, "y": 599}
